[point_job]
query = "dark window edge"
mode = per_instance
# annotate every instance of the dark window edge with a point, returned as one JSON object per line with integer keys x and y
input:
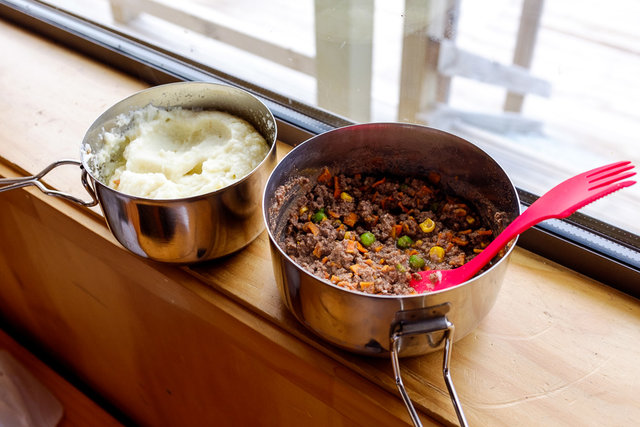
{"x": 584, "y": 260}
{"x": 155, "y": 66}
{"x": 569, "y": 243}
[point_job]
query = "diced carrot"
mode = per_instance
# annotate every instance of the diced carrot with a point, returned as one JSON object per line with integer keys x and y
{"x": 334, "y": 279}
{"x": 484, "y": 232}
{"x": 333, "y": 214}
{"x": 325, "y": 176}
{"x": 351, "y": 219}
{"x": 336, "y": 187}
{"x": 369, "y": 262}
{"x": 372, "y": 220}
{"x": 378, "y": 248}
{"x": 476, "y": 250}
{"x": 458, "y": 260}
{"x": 361, "y": 248}
{"x": 309, "y": 226}
{"x": 365, "y": 285}
{"x": 423, "y": 191}
{"x": 351, "y": 246}
{"x": 412, "y": 252}
{"x": 401, "y": 206}
{"x": 434, "y": 177}
{"x": 460, "y": 212}
{"x": 467, "y": 231}
{"x": 317, "y": 251}
{"x": 375, "y": 184}
{"x": 396, "y": 230}
{"x": 355, "y": 268}
{"x": 459, "y": 241}
{"x": 324, "y": 260}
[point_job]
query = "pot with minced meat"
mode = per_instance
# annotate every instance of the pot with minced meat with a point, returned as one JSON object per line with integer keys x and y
{"x": 353, "y": 212}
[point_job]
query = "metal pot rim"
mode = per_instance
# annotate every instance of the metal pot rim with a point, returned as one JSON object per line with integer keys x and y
{"x": 108, "y": 113}
{"x": 301, "y": 146}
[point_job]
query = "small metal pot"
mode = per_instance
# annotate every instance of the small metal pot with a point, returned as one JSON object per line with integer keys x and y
{"x": 182, "y": 230}
{"x": 380, "y": 325}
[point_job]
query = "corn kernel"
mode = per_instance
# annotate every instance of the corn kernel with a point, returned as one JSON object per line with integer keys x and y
{"x": 436, "y": 253}
{"x": 427, "y": 226}
{"x": 346, "y": 197}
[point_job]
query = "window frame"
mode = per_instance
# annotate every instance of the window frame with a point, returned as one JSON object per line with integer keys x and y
{"x": 581, "y": 243}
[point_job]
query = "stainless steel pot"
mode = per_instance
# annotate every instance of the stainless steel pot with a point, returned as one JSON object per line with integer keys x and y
{"x": 182, "y": 230}
{"x": 380, "y": 325}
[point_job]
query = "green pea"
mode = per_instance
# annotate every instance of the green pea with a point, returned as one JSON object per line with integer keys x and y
{"x": 319, "y": 216}
{"x": 416, "y": 262}
{"x": 367, "y": 238}
{"x": 400, "y": 268}
{"x": 404, "y": 242}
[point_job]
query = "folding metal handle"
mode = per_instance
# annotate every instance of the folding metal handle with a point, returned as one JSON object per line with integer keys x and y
{"x": 426, "y": 326}
{"x": 7, "y": 184}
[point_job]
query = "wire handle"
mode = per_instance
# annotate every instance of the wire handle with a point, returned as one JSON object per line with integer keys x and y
{"x": 426, "y": 326}
{"x": 7, "y": 184}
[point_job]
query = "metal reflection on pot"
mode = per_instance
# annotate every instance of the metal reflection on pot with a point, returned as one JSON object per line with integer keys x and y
{"x": 383, "y": 325}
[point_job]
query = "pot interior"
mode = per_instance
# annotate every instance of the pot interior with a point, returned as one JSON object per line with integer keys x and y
{"x": 398, "y": 150}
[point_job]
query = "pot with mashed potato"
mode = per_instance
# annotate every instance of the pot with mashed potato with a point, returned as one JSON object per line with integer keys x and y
{"x": 179, "y": 169}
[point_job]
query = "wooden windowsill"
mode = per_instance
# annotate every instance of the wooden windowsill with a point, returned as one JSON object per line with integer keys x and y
{"x": 189, "y": 345}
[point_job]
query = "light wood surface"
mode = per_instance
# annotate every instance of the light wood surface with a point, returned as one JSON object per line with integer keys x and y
{"x": 213, "y": 343}
{"x": 78, "y": 409}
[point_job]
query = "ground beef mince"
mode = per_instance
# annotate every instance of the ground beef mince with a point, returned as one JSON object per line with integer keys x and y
{"x": 370, "y": 233}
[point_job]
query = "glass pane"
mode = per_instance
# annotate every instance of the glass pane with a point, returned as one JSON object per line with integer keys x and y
{"x": 548, "y": 88}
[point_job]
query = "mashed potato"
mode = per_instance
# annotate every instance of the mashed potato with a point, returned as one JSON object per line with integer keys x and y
{"x": 174, "y": 153}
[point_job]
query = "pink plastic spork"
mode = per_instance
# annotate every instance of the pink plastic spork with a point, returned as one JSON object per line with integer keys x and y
{"x": 559, "y": 202}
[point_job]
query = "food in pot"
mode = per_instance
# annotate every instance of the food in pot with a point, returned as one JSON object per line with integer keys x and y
{"x": 174, "y": 153}
{"x": 370, "y": 233}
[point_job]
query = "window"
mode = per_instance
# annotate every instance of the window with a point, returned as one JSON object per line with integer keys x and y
{"x": 547, "y": 88}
